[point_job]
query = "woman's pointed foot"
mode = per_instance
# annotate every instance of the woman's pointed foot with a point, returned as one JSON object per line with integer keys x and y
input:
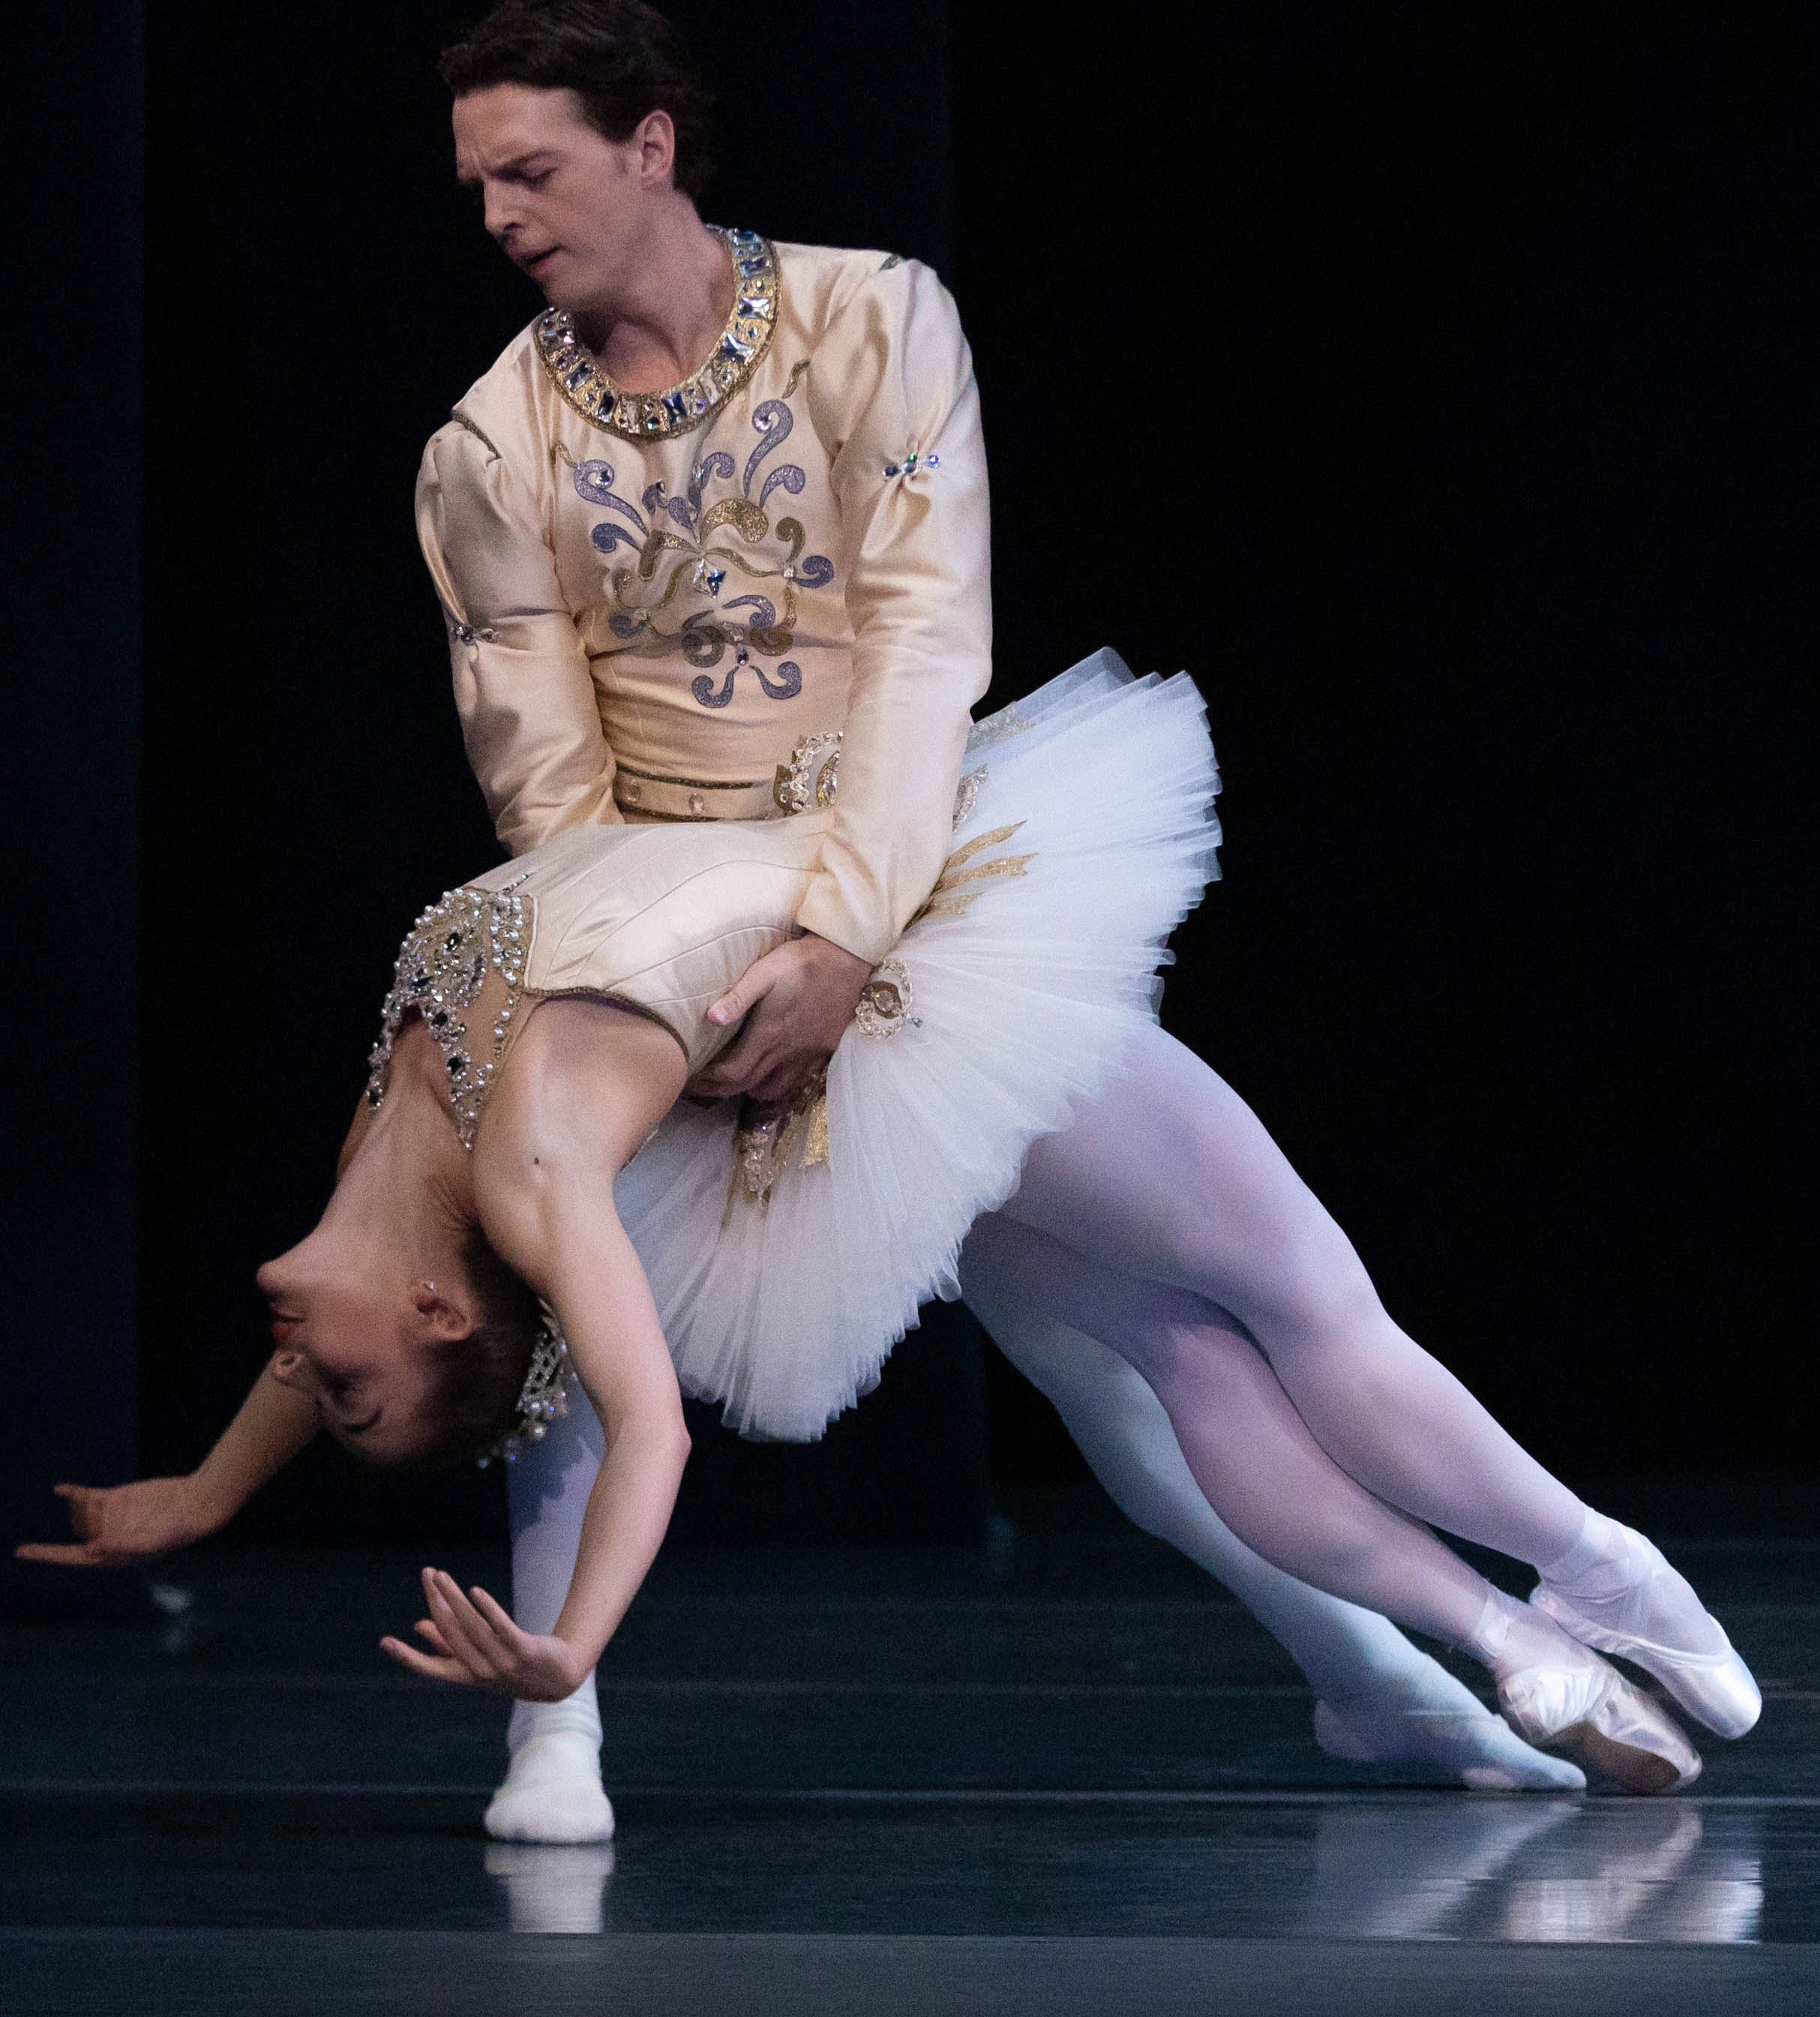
{"x": 1632, "y": 1603}
{"x": 1585, "y": 1710}
{"x": 552, "y": 1792}
{"x": 1478, "y": 1748}
{"x": 1562, "y": 1697}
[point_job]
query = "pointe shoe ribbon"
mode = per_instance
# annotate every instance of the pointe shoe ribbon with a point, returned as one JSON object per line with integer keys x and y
{"x": 1718, "y": 1688}
{"x": 1592, "y": 1715}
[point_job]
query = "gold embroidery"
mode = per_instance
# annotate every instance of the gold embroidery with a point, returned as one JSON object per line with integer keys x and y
{"x": 462, "y": 420}
{"x": 813, "y": 773}
{"x": 767, "y": 1136}
{"x": 980, "y": 843}
{"x": 950, "y": 896}
{"x": 798, "y": 371}
{"x": 577, "y": 374}
{"x": 944, "y": 903}
{"x": 885, "y": 1000}
{"x": 815, "y": 1149}
{"x": 559, "y": 453}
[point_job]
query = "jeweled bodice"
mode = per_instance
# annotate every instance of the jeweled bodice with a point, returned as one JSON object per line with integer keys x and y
{"x": 462, "y": 962}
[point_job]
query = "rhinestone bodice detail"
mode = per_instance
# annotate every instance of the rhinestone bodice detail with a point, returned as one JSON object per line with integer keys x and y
{"x": 469, "y": 944}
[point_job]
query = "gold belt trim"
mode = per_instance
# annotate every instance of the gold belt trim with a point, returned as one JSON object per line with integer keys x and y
{"x": 645, "y": 795}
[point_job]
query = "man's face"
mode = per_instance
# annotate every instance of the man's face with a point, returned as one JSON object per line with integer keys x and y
{"x": 567, "y": 205}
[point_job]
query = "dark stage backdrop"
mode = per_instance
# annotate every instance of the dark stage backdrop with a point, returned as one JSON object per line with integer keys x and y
{"x": 72, "y": 150}
{"x": 1437, "y": 384}
{"x": 1433, "y": 384}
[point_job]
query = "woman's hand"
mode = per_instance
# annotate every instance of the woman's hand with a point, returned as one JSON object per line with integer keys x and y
{"x": 120, "y": 1525}
{"x": 798, "y": 1001}
{"x": 478, "y": 1646}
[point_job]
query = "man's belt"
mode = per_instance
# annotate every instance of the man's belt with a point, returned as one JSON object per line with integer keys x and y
{"x": 805, "y": 783}
{"x": 643, "y": 794}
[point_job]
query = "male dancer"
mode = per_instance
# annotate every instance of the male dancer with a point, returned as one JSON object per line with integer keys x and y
{"x": 583, "y": 128}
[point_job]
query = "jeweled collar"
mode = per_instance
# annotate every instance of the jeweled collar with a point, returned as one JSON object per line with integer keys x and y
{"x": 577, "y": 374}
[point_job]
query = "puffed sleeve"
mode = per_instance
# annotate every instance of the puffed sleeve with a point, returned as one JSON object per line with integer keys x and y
{"x": 891, "y": 394}
{"x": 522, "y": 684}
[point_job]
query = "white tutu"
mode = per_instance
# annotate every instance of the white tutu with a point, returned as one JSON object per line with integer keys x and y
{"x": 1089, "y": 835}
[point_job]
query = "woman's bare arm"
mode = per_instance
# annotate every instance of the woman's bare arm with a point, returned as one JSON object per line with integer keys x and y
{"x": 126, "y": 1524}
{"x": 583, "y": 1092}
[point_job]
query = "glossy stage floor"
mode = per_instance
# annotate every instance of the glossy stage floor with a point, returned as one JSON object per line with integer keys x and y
{"x": 1060, "y": 1775}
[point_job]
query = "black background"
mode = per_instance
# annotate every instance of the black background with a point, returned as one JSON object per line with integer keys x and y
{"x": 1435, "y": 384}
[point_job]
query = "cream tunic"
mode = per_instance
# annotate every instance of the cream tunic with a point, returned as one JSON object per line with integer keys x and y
{"x": 677, "y": 607}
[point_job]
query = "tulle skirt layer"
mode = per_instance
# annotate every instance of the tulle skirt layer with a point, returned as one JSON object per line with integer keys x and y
{"x": 786, "y": 1262}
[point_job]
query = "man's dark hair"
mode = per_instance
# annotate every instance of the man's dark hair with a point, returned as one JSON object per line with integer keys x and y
{"x": 620, "y": 58}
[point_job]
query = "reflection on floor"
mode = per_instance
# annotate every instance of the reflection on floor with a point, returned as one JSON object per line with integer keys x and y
{"x": 1059, "y": 1776}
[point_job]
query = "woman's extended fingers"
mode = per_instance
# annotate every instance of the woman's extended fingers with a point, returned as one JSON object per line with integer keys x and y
{"x": 497, "y": 1648}
{"x": 425, "y": 1628}
{"x": 84, "y": 1515}
{"x": 489, "y": 1632}
{"x": 496, "y": 1615}
{"x": 471, "y": 1649}
{"x": 67, "y": 1554}
{"x": 443, "y": 1669}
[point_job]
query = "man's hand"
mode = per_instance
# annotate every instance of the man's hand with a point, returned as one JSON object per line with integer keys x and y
{"x": 127, "y": 1524}
{"x": 798, "y": 1001}
{"x": 477, "y": 1645}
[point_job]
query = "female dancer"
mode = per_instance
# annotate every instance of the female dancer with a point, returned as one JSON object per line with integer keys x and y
{"x": 520, "y": 1142}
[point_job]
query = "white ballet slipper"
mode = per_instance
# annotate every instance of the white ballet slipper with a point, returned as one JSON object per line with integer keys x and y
{"x": 1591, "y": 1714}
{"x": 552, "y": 1792}
{"x": 1715, "y": 1687}
{"x": 1478, "y": 1748}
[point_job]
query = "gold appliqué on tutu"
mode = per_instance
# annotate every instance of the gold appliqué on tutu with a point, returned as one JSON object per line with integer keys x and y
{"x": 885, "y": 1000}
{"x": 767, "y": 1138}
{"x": 952, "y": 893}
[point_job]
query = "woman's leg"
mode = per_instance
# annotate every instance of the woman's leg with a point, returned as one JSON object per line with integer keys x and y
{"x": 1263, "y": 1471}
{"x": 1250, "y": 1451}
{"x": 552, "y": 1791}
{"x": 1380, "y": 1698}
{"x": 1172, "y": 1177}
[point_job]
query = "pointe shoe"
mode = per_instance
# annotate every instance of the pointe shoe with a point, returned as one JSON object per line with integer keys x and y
{"x": 1716, "y": 1687}
{"x": 552, "y": 1792}
{"x": 1480, "y": 1749}
{"x": 1592, "y": 1715}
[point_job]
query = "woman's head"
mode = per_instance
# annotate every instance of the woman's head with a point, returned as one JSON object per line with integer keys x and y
{"x": 406, "y": 1369}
